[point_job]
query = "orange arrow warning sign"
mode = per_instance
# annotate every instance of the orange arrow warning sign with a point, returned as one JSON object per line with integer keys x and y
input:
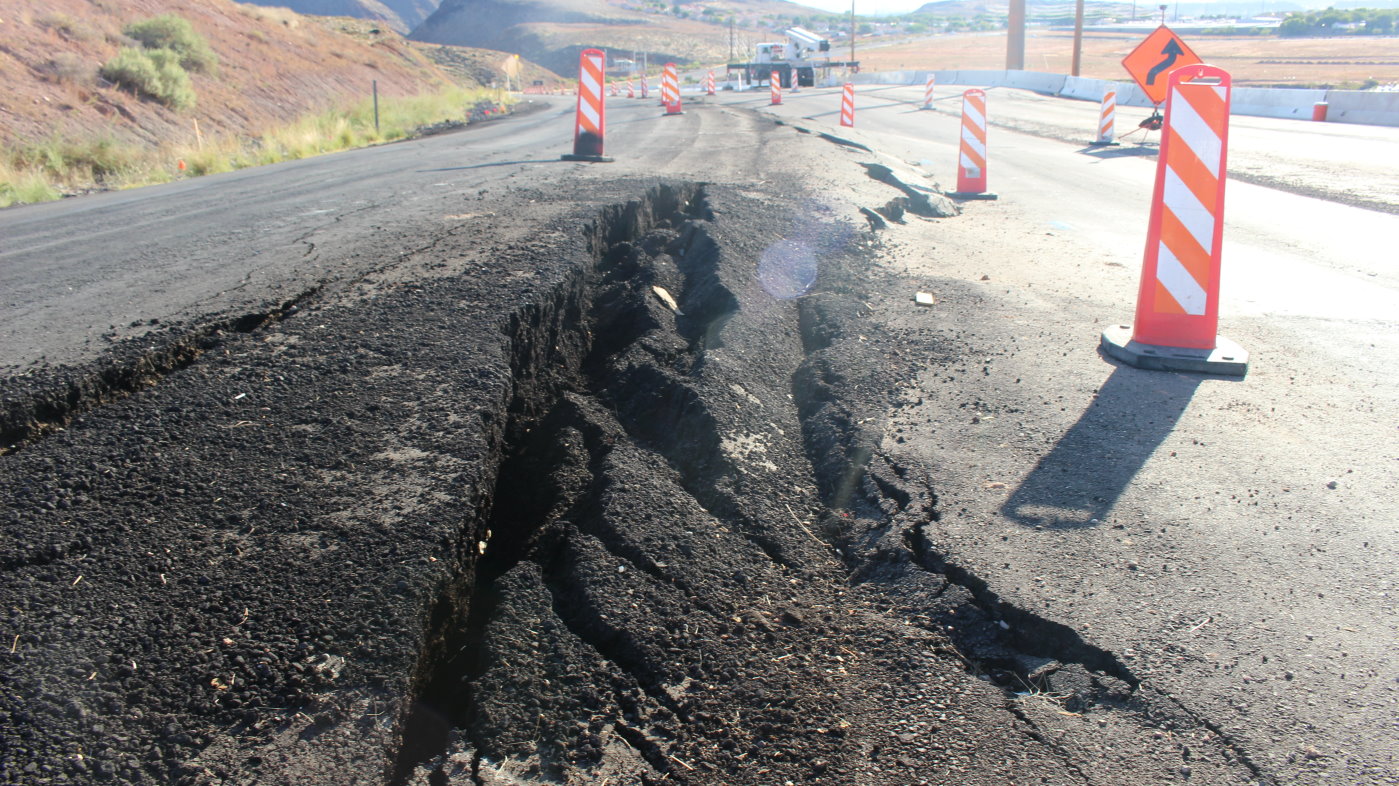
{"x": 1155, "y": 58}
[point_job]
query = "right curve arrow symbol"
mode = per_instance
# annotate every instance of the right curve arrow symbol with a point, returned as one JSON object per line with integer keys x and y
{"x": 1172, "y": 50}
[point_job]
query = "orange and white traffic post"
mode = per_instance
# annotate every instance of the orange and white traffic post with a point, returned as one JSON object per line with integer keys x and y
{"x": 796, "y": 81}
{"x": 775, "y": 82}
{"x": 709, "y": 84}
{"x": 971, "y": 163}
{"x": 645, "y": 88}
{"x": 631, "y": 90}
{"x": 1178, "y": 300}
{"x": 590, "y": 124}
{"x": 670, "y": 90}
{"x": 1107, "y": 119}
{"x": 928, "y": 92}
{"x": 847, "y": 106}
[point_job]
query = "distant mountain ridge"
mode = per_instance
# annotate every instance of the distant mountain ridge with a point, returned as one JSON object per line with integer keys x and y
{"x": 399, "y": 15}
{"x": 1193, "y": 8}
{"x": 552, "y": 32}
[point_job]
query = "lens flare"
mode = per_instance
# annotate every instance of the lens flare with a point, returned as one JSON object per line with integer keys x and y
{"x": 787, "y": 269}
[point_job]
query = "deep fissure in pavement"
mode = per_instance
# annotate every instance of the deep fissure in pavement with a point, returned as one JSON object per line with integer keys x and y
{"x": 592, "y": 370}
{"x": 551, "y": 473}
{"x": 618, "y": 584}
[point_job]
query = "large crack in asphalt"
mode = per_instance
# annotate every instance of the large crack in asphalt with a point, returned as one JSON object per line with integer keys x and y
{"x": 575, "y": 390}
{"x": 532, "y": 672}
{"x": 680, "y": 552}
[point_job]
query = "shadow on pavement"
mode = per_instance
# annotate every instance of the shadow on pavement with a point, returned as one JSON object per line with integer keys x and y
{"x": 1081, "y": 479}
{"x": 494, "y": 163}
{"x": 1125, "y": 151}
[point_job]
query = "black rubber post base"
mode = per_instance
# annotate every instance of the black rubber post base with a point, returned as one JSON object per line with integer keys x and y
{"x": 1104, "y": 144}
{"x": 593, "y": 159}
{"x": 1227, "y": 358}
{"x": 979, "y": 195}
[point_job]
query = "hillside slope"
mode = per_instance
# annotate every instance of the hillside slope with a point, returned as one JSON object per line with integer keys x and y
{"x": 552, "y": 32}
{"x": 399, "y": 15}
{"x": 273, "y": 66}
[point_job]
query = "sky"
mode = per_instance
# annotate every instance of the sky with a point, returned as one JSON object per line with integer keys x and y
{"x": 866, "y": 6}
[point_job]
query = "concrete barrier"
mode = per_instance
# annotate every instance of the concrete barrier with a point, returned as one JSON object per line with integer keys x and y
{"x": 981, "y": 78}
{"x": 1083, "y": 88}
{"x": 1346, "y": 106}
{"x": 1266, "y": 102}
{"x": 1035, "y": 80}
{"x": 1362, "y": 106}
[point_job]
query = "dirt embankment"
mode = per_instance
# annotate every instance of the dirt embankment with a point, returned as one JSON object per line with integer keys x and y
{"x": 273, "y": 66}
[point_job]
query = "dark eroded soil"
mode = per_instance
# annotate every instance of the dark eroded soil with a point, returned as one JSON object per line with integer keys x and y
{"x": 606, "y": 512}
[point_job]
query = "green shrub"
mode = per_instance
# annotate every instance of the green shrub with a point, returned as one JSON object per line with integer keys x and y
{"x": 176, "y": 34}
{"x": 132, "y": 70}
{"x": 21, "y": 187}
{"x": 155, "y": 73}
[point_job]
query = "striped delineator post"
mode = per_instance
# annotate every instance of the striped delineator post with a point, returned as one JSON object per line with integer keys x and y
{"x": 645, "y": 88}
{"x": 590, "y": 124}
{"x": 796, "y": 81}
{"x": 631, "y": 92}
{"x": 1178, "y": 300}
{"x": 847, "y": 106}
{"x": 612, "y": 88}
{"x": 775, "y": 82}
{"x": 1107, "y": 119}
{"x": 971, "y": 159}
{"x": 928, "y": 92}
{"x": 709, "y": 84}
{"x": 670, "y": 90}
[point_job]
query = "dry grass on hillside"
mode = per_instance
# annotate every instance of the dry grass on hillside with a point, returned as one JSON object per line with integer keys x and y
{"x": 1250, "y": 60}
{"x": 280, "y": 80}
{"x": 273, "y": 67}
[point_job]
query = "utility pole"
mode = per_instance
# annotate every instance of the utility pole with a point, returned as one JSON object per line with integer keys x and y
{"x": 852, "y": 31}
{"x": 1015, "y": 37}
{"x": 731, "y": 39}
{"x": 1078, "y": 38}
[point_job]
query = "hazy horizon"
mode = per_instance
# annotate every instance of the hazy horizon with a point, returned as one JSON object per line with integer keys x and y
{"x": 894, "y": 7}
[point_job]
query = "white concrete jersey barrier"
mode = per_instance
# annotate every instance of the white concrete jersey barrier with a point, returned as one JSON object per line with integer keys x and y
{"x": 1265, "y": 102}
{"x": 1036, "y": 81}
{"x": 1362, "y": 106}
{"x": 1344, "y": 106}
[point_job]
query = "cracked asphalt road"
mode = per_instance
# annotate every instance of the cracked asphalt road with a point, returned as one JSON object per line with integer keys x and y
{"x": 404, "y": 470}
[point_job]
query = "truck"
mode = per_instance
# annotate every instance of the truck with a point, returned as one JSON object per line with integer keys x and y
{"x": 797, "y": 58}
